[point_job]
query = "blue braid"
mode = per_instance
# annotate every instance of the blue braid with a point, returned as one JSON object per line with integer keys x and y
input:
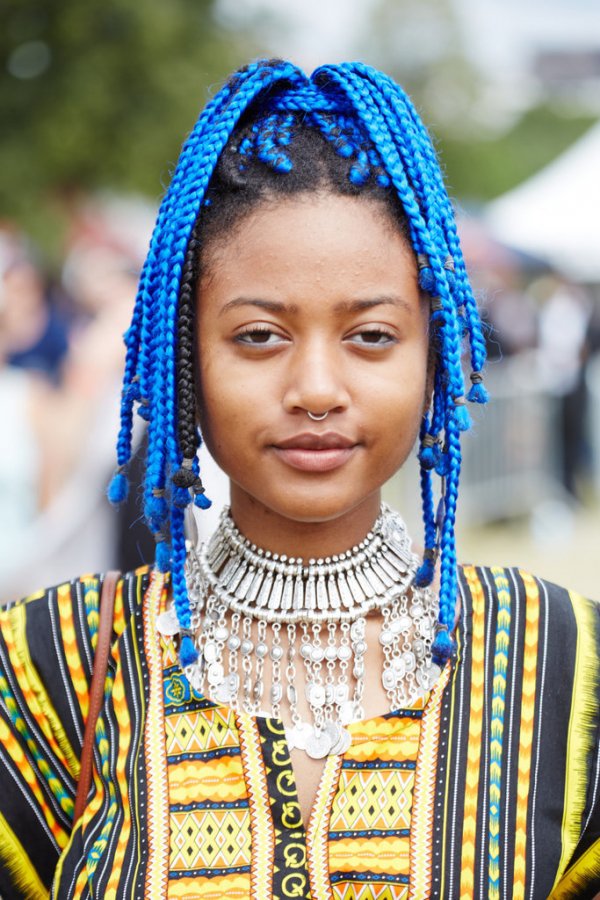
{"x": 434, "y": 197}
{"x": 426, "y": 571}
{"x": 119, "y": 486}
{"x": 187, "y": 651}
{"x": 413, "y": 142}
{"x": 155, "y": 326}
{"x": 443, "y": 646}
{"x": 428, "y": 238}
{"x": 369, "y": 121}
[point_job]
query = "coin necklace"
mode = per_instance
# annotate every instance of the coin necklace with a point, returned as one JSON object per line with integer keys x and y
{"x": 245, "y": 600}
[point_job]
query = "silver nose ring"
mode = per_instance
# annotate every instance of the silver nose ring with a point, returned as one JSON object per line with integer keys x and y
{"x": 316, "y": 418}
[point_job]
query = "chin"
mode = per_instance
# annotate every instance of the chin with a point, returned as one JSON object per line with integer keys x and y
{"x": 317, "y": 507}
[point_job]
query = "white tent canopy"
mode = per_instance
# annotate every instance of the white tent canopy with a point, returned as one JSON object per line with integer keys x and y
{"x": 555, "y": 215}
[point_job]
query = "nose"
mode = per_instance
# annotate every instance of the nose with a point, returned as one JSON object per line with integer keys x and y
{"x": 316, "y": 380}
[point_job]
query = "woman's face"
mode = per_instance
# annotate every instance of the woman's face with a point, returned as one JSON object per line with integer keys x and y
{"x": 311, "y": 304}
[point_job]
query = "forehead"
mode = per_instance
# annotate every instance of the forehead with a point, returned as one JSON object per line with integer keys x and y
{"x": 312, "y": 237}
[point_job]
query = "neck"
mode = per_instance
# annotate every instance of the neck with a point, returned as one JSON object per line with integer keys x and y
{"x": 308, "y": 538}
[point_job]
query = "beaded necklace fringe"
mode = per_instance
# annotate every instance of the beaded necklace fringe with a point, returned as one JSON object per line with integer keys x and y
{"x": 257, "y": 613}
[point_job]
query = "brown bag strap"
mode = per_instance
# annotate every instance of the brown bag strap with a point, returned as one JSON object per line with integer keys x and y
{"x": 100, "y": 666}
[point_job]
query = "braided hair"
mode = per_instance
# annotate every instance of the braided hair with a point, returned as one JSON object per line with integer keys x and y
{"x": 271, "y": 131}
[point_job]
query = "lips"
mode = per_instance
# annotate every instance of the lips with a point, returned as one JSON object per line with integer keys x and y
{"x": 310, "y": 452}
{"x": 309, "y": 441}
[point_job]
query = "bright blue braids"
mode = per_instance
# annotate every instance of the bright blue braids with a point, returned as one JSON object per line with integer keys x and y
{"x": 371, "y": 128}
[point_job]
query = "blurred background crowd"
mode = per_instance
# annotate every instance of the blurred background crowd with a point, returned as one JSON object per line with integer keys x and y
{"x": 94, "y": 100}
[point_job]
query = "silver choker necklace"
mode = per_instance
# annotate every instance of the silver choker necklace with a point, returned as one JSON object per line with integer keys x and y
{"x": 257, "y": 613}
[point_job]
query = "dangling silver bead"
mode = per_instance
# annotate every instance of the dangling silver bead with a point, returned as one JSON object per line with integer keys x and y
{"x": 242, "y": 596}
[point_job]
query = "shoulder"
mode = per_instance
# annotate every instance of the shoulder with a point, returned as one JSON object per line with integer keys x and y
{"x": 506, "y": 586}
{"x": 540, "y": 622}
{"x": 69, "y": 612}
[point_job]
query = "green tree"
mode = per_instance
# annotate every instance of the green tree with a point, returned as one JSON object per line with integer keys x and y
{"x": 100, "y": 93}
{"x": 482, "y": 167}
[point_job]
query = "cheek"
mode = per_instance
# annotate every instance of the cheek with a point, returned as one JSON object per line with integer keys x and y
{"x": 224, "y": 409}
{"x": 397, "y": 407}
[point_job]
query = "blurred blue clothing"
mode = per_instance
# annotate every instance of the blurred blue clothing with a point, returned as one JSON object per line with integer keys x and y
{"x": 47, "y": 354}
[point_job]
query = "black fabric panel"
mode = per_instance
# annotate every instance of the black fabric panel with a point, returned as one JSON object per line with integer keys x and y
{"x": 290, "y": 873}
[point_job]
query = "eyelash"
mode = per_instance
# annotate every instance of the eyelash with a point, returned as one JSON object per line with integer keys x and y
{"x": 245, "y": 337}
{"x": 380, "y": 332}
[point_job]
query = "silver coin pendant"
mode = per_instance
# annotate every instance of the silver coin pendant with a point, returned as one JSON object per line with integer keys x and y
{"x": 318, "y": 745}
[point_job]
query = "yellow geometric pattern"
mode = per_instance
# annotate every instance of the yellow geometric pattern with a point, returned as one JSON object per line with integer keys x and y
{"x": 225, "y": 886}
{"x": 371, "y": 891}
{"x": 384, "y": 856}
{"x": 470, "y": 836}
{"x": 202, "y": 839}
{"x": 391, "y": 740}
{"x": 424, "y": 792}
{"x": 71, "y": 648}
{"x": 371, "y": 799}
{"x": 263, "y": 831}
{"x": 202, "y": 835}
{"x": 528, "y": 695}
{"x": 121, "y": 711}
{"x": 200, "y": 731}
{"x": 157, "y": 871}
{"x": 218, "y": 780}
{"x": 317, "y": 835}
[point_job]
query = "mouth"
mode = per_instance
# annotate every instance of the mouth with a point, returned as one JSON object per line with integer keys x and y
{"x": 309, "y": 452}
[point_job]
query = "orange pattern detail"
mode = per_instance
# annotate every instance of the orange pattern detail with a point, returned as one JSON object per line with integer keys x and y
{"x": 72, "y": 656}
{"x": 532, "y": 616}
{"x": 122, "y": 716}
{"x": 28, "y": 773}
{"x": 263, "y": 833}
{"x": 154, "y": 746}
{"x": 424, "y": 792}
{"x": 469, "y": 837}
{"x": 317, "y": 842}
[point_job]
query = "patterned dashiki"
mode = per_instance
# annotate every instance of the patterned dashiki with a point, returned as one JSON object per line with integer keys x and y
{"x": 487, "y": 787}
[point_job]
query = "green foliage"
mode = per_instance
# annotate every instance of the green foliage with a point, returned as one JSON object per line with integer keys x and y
{"x": 480, "y": 169}
{"x": 101, "y": 92}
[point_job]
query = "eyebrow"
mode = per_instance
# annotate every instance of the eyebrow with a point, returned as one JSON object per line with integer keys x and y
{"x": 270, "y": 305}
{"x": 346, "y": 306}
{"x": 352, "y": 306}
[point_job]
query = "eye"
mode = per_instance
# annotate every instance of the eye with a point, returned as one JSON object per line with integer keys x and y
{"x": 259, "y": 336}
{"x": 372, "y": 337}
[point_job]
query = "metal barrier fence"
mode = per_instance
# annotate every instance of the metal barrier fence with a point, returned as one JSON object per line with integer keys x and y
{"x": 512, "y": 456}
{"x": 593, "y": 386}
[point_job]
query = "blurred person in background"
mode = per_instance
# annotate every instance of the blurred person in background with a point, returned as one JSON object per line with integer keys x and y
{"x": 61, "y": 439}
{"x": 34, "y": 324}
{"x": 33, "y": 344}
{"x": 565, "y": 335}
{"x": 304, "y": 704}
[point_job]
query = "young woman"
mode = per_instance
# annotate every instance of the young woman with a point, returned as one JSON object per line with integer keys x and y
{"x": 306, "y": 706}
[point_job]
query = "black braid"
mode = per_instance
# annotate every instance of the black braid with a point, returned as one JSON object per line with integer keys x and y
{"x": 186, "y": 419}
{"x": 233, "y": 194}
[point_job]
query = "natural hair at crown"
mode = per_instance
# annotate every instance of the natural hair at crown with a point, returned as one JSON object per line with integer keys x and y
{"x": 271, "y": 132}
